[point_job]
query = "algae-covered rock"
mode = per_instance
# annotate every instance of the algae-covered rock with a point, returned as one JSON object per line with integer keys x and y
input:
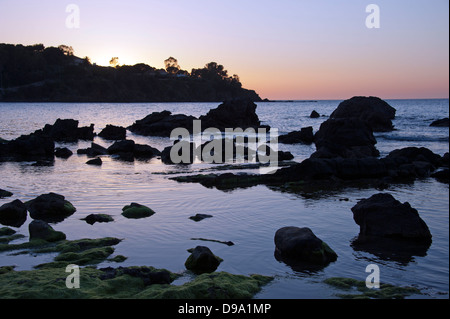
{"x": 98, "y": 218}
{"x": 41, "y": 230}
{"x": 135, "y": 210}
{"x": 202, "y": 260}
{"x": 50, "y": 207}
{"x": 6, "y": 231}
{"x": 386, "y": 291}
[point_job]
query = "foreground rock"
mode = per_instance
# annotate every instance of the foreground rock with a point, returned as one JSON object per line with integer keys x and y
{"x": 382, "y": 215}
{"x": 50, "y": 207}
{"x": 202, "y": 260}
{"x": 373, "y": 110}
{"x": 13, "y": 214}
{"x": 32, "y": 147}
{"x": 293, "y": 245}
{"x": 41, "y": 230}
{"x": 347, "y": 138}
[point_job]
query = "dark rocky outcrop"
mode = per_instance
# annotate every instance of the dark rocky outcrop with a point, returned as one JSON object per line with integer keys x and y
{"x": 5, "y": 193}
{"x": 113, "y": 132}
{"x": 41, "y": 230}
{"x": 441, "y": 123}
{"x": 67, "y": 130}
{"x": 128, "y": 150}
{"x": 93, "y": 151}
{"x": 294, "y": 244}
{"x": 63, "y": 152}
{"x": 382, "y": 215}
{"x": 305, "y": 136}
{"x": 314, "y": 114}
{"x": 161, "y": 124}
{"x": 32, "y": 147}
{"x": 232, "y": 114}
{"x": 13, "y": 214}
{"x": 373, "y": 110}
{"x": 50, "y": 207}
{"x": 442, "y": 176}
{"x": 202, "y": 260}
{"x": 348, "y": 138}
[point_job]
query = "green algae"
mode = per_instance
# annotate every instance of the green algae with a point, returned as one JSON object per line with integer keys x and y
{"x": 6, "y": 231}
{"x": 386, "y": 291}
{"x": 51, "y": 284}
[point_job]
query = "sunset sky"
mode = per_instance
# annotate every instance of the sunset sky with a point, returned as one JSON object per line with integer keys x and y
{"x": 284, "y": 49}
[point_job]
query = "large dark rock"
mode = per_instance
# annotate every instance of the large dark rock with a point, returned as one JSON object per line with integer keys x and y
{"x": 415, "y": 154}
{"x": 202, "y": 260}
{"x": 112, "y": 132}
{"x": 39, "y": 229}
{"x": 348, "y": 138}
{"x": 314, "y": 114}
{"x": 382, "y": 215}
{"x": 93, "y": 151}
{"x": 376, "y": 112}
{"x": 441, "y": 123}
{"x": 50, "y": 207}
{"x": 294, "y": 244}
{"x": 161, "y": 124}
{"x": 67, "y": 130}
{"x": 13, "y": 214}
{"x": 305, "y": 136}
{"x": 63, "y": 152}
{"x": 30, "y": 147}
{"x": 232, "y": 114}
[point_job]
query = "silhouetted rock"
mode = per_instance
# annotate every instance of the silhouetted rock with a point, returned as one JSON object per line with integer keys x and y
{"x": 143, "y": 151}
{"x": 314, "y": 114}
{"x": 442, "y": 176}
{"x": 202, "y": 260}
{"x": 161, "y": 124}
{"x": 63, "y": 152}
{"x": 348, "y": 138}
{"x": 96, "y": 161}
{"x": 97, "y": 218}
{"x": 441, "y": 123}
{"x": 67, "y": 130}
{"x": 199, "y": 217}
{"x": 50, "y": 207}
{"x": 94, "y": 150}
{"x": 112, "y": 132}
{"x": 294, "y": 244}
{"x": 382, "y": 215}
{"x": 4, "y": 193}
{"x": 376, "y": 112}
{"x": 305, "y": 136}
{"x": 41, "y": 230}
{"x": 30, "y": 147}
{"x": 135, "y": 211}
{"x": 232, "y": 114}
{"x": 13, "y": 214}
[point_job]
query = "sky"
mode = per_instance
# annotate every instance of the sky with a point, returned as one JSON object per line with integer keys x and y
{"x": 284, "y": 49}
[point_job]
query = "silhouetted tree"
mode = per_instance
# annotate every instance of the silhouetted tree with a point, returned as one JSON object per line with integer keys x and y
{"x": 114, "y": 62}
{"x": 67, "y": 50}
{"x": 172, "y": 66}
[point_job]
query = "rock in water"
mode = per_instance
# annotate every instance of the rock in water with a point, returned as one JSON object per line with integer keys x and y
{"x": 112, "y": 132}
{"x": 202, "y": 260}
{"x": 294, "y": 244}
{"x": 441, "y": 123}
{"x": 50, "y": 207}
{"x": 382, "y": 215}
{"x": 13, "y": 214}
{"x": 314, "y": 114}
{"x": 41, "y": 230}
{"x": 135, "y": 210}
{"x": 347, "y": 138}
{"x": 376, "y": 112}
{"x": 305, "y": 136}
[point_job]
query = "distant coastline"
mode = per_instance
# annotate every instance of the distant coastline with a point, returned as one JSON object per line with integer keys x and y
{"x": 54, "y": 74}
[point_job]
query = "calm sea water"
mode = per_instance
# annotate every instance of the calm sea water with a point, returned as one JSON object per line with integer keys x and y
{"x": 248, "y": 217}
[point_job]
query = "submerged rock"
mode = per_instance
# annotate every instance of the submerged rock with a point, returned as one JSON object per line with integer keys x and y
{"x": 199, "y": 217}
{"x": 293, "y": 244}
{"x": 202, "y": 260}
{"x": 5, "y": 193}
{"x": 382, "y": 215}
{"x": 96, "y": 161}
{"x": 98, "y": 218}
{"x": 135, "y": 211}
{"x": 41, "y": 230}
{"x": 373, "y": 110}
{"x": 50, "y": 207}
{"x": 13, "y": 214}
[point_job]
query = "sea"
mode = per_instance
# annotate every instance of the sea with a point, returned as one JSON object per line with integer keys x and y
{"x": 249, "y": 217}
